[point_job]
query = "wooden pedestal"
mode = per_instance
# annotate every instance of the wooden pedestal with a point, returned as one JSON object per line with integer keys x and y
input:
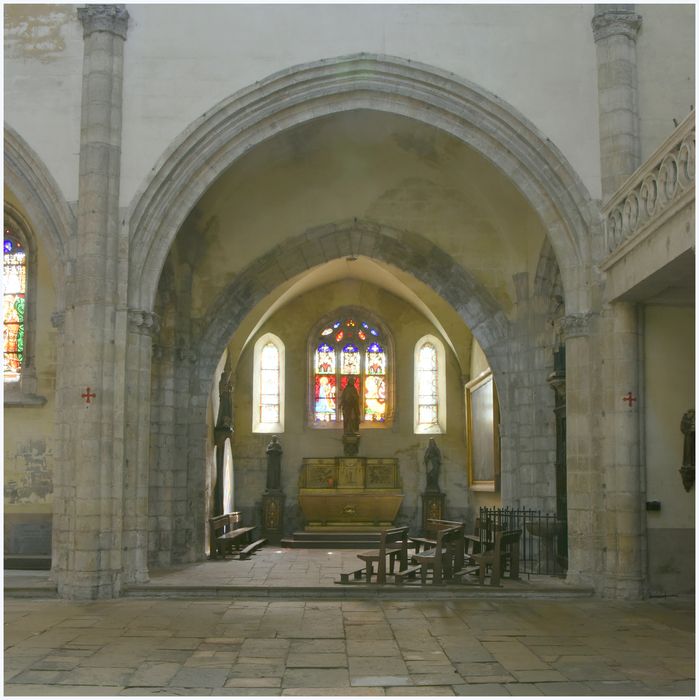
{"x": 432, "y": 507}
{"x": 273, "y": 516}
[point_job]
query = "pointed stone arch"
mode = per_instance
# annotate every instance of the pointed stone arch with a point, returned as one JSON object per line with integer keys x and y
{"x": 365, "y": 81}
{"x": 52, "y": 221}
{"x": 402, "y": 249}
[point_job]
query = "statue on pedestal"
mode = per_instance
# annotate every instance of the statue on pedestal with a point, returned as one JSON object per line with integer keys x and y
{"x": 351, "y": 415}
{"x": 274, "y": 460}
{"x": 433, "y": 463}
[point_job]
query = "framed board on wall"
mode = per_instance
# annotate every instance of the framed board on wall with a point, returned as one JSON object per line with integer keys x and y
{"x": 483, "y": 434}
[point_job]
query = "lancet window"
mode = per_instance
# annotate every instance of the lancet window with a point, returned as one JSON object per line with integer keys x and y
{"x": 268, "y": 385}
{"x": 14, "y": 305}
{"x": 350, "y": 346}
{"x": 430, "y": 386}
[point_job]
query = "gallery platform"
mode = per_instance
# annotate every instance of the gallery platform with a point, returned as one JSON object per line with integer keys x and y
{"x": 278, "y": 572}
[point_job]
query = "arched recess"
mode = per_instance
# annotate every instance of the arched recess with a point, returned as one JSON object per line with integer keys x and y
{"x": 252, "y": 287}
{"x": 52, "y": 221}
{"x": 364, "y": 81}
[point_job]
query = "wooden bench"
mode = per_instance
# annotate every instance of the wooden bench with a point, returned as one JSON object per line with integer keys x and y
{"x": 392, "y": 545}
{"x": 503, "y": 554}
{"x": 445, "y": 558}
{"x": 433, "y": 526}
{"x": 252, "y": 547}
{"x": 226, "y": 534}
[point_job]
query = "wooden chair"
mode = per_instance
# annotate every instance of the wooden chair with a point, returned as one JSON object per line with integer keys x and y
{"x": 505, "y": 551}
{"x": 445, "y": 558}
{"x": 394, "y": 545}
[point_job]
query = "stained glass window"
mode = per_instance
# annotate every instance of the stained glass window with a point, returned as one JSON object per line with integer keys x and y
{"x": 13, "y": 311}
{"x": 348, "y": 347}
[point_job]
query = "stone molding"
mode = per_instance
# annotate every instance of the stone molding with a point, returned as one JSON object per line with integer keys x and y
{"x": 665, "y": 180}
{"x": 575, "y": 325}
{"x": 104, "y": 18}
{"x": 615, "y": 22}
{"x": 143, "y": 322}
{"x": 483, "y": 121}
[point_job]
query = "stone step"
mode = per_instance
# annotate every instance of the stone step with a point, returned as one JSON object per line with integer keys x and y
{"x": 335, "y": 540}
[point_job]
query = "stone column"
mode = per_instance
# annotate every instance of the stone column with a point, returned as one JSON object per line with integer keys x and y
{"x": 142, "y": 327}
{"x": 585, "y": 488}
{"x": 615, "y": 28}
{"x": 624, "y": 478}
{"x": 92, "y": 460}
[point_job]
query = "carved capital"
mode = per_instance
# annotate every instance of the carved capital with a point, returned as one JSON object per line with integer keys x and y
{"x": 144, "y": 322}
{"x": 575, "y": 325}
{"x": 615, "y": 21}
{"x": 104, "y": 18}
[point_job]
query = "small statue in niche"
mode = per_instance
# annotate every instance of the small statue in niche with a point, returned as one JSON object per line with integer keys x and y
{"x": 688, "y": 452}
{"x": 433, "y": 463}
{"x": 274, "y": 461}
{"x": 349, "y": 402}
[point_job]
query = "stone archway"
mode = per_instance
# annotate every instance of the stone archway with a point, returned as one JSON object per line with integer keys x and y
{"x": 364, "y": 81}
{"x": 404, "y": 250}
{"x": 481, "y": 120}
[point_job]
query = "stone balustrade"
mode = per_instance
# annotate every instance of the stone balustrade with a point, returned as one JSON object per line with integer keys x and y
{"x": 654, "y": 189}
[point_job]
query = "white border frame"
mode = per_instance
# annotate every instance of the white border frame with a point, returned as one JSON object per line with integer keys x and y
{"x": 257, "y": 425}
{"x": 441, "y": 427}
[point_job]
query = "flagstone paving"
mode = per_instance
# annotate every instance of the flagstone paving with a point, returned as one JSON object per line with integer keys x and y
{"x": 358, "y": 648}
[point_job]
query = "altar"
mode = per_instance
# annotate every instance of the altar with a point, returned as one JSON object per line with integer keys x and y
{"x": 349, "y": 493}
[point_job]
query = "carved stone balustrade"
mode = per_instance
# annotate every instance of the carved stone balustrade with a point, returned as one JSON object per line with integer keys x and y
{"x": 657, "y": 189}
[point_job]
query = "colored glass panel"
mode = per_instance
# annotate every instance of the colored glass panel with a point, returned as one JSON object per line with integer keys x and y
{"x": 375, "y": 360}
{"x": 15, "y": 281}
{"x": 325, "y": 359}
{"x": 350, "y": 360}
{"x": 357, "y": 382}
{"x": 340, "y": 336}
{"x": 375, "y": 399}
{"x": 326, "y": 331}
{"x": 269, "y": 384}
{"x": 325, "y": 404}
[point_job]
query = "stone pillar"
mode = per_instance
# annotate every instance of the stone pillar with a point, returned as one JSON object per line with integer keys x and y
{"x": 92, "y": 459}
{"x": 142, "y": 326}
{"x": 585, "y": 487}
{"x": 624, "y": 478}
{"x": 615, "y": 28}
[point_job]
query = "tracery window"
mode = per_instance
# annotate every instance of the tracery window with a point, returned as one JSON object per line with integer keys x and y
{"x": 268, "y": 385}
{"x": 430, "y": 386}
{"x": 350, "y": 345}
{"x": 14, "y": 305}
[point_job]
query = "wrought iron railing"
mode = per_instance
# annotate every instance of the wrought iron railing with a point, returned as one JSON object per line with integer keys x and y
{"x": 543, "y": 548}
{"x": 665, "y": 178}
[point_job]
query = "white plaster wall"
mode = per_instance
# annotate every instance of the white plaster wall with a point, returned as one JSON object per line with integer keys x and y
{"x": 180, "y": 60}
{"x": 43, "y": 83}
{"x": 666, "y": 67}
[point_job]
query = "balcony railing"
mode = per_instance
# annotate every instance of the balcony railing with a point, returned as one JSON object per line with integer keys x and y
{"x": 661, "y": 182}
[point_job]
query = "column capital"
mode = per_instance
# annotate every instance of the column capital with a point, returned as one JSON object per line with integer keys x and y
{"x": 143, "y": 322}
{"x": 575, "y": 325}
{"x": 611, "y": 20}
{"x": 104, "y": 18}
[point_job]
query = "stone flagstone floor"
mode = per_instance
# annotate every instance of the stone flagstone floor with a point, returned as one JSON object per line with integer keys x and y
{"x": 379, "y": 647}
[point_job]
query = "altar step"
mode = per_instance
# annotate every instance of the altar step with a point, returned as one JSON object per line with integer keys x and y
{"x": 332, "y": 540}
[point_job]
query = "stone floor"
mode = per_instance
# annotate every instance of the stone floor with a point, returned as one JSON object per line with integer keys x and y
{"x": 280, "y": 571}
{"x": 240, "y": 646}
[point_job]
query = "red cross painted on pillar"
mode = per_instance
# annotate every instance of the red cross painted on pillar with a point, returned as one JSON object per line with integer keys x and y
{"x": 87, "y": 395}
{"x": 629, "y": 398}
